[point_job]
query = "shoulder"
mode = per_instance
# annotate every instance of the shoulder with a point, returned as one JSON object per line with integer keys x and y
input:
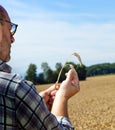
{"x": 25, "y": 88}
{"x": 10, "y": 83}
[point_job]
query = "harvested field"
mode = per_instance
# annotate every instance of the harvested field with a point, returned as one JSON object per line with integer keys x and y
{"x": 93, "y": 108}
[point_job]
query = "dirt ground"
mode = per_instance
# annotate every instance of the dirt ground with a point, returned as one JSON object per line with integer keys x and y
{"x": 93, "y": 108}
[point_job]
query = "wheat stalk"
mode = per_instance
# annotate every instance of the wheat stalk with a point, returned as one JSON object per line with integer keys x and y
{"x": 70, "y": 65}
{"x": 78, "y": 56}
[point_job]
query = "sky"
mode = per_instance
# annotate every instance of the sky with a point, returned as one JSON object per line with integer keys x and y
{"x": 51, "y": 30}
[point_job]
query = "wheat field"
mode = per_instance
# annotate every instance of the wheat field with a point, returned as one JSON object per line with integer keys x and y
{"x": 93, "y": 108}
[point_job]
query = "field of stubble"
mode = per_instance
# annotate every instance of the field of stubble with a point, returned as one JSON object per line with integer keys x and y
{"x": 93, "y": 108}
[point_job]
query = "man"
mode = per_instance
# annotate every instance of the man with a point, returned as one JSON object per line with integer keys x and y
{"x": 21, "y": 107}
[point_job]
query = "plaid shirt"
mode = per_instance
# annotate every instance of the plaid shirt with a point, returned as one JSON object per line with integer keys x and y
{"x": 22, "y": 108}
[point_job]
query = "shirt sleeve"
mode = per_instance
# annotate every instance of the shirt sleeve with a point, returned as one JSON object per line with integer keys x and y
{"x": 66, "y": 122}
{"x": 32, "y": 112}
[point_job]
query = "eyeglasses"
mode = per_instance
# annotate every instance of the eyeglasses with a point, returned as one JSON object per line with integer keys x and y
{"x": 13, "y": 26}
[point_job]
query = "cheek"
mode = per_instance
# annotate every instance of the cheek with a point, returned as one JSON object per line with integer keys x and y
{"x": 5, "y": 36}
{"x": 0, "y": 35}
{"x": 4, "y": 44}
{"x": 6, "y": 39}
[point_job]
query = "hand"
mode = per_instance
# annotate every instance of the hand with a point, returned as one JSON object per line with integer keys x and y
{"x": 68, "y": 88}
{"x": 70, "y": 85}
{"x": 48, "y": 95}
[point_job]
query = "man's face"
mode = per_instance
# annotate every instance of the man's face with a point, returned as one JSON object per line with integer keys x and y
{"x": 5, "y": 39}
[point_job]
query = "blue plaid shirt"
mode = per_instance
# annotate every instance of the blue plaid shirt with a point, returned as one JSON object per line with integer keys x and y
{"x": 22, "y": 108}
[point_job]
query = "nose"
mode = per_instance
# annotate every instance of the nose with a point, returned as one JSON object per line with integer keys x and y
{"x": 12, "y": 39}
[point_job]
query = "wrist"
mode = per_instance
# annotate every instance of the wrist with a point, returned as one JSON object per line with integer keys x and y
{"x": 60, "y": 104}
{"x": 62, "y": 96}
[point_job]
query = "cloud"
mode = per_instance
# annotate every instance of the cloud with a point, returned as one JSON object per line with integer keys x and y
{"x": 50, "y": 36}
{"x": 51, "y": 41}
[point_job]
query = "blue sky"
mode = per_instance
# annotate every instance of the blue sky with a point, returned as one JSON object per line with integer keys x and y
{"x": 50, "y": 30}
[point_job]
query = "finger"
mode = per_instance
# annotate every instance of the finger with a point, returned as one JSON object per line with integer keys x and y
{"x": 53, "y": 92}
{"x": 73, "y": 77}
{"x": 57, "y": 86}
{"x": 75, "y": 84}
{"x": 71, "y": 74}
{"x": 66, "y": 74}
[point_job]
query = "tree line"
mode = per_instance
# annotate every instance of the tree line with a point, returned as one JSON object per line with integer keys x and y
{"x": 50, "y": 76}
{"x": 101, "y": 69}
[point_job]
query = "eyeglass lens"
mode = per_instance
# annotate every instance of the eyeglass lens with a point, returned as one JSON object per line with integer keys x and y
{"x": 13, "y": 29}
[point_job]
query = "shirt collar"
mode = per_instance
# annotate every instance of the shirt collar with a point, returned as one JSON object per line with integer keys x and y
{"x": 4, "y": 67}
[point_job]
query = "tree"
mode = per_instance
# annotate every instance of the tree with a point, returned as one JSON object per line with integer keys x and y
{"x": 45, "y": 69}
{"x": 31, "y": 73}
{"x": 51, "y": 77}
{"x": 81, "y": 70}
{"x": 58, "y": 66}
{"x": 101, "y": 69}
{"x": 40, "y": 79}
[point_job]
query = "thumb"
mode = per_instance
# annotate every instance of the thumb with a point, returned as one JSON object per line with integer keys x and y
{"x": 70, "y": 75}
